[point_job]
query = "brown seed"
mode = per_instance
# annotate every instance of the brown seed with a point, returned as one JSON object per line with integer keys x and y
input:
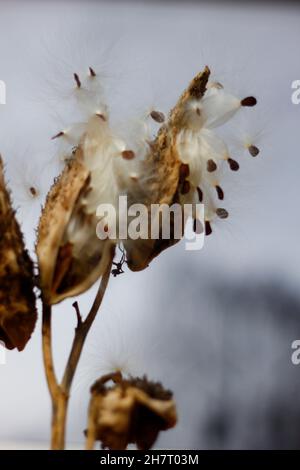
{"x": 222, "y": 213}
{"x": 60, "y": 134}
{"x": 105, "y": 228}
{"x": 249, "y": 101}
{"x": 208, "y": 229}
{"x": 253, "y": 150}
{"x": 220, "y": 192}
{"x": 33, "y": 191}
{"x": 184, "y": 171}
{"x": 200, "y": 194}
{"x": 233, "y": 164}
{"x": 92, "y": 72}
{"x": 128, "y": 154}
{"x": 211, "y": 166}
{"x": 157, "y": 116}
{"x": 77, "y": 80}
{"x": 198, "y": 111}
{"x": 185, "y": 187}
{"x": 197, "y": 226}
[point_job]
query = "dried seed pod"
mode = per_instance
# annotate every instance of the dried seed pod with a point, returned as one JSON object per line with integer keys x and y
{"x": 70, "y": 255}
{"x": 17, "y": 299}
{"x": 164, "y": 164}
{"x": 131, "y": 411}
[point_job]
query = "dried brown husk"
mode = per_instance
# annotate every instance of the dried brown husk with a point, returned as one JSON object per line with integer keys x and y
{"x": 131, "y": 412}
{"x": 17, "y": 299}
{"x": 63, "y": 272}
{"x": 164, "y": 163}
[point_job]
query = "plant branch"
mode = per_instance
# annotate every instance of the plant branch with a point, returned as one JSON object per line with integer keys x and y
{"x": 83, "y": 329}
{"x": 78, "y": 314}
{"x": 47, "y": 350}
{"x": 60, "y": 392}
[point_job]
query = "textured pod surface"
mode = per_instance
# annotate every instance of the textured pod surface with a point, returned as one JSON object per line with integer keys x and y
{"x": 133, "y": 411}
{"x": 163, "y": 163}
{"x": 17, "y": 299}
{"x": 69, "y": 253}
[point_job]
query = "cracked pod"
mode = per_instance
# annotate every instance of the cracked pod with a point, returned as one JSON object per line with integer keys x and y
{"x": 132, "y": 411}
{"x": 17, "y": 299}
{"x": 164, "y": 176}
{"x": 70, "y": 256}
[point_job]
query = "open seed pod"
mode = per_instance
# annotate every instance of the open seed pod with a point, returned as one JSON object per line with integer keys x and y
{"x": 131, "y": 411}
{"x": 163, "y": 170}
{"x": 17, "y": 299}
{"x": 185, "y": 164}
{"x": 70, "y": 256}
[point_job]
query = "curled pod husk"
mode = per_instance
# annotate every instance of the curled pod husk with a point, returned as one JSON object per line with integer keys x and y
{"x": 133, "y": 411}
{"x": 17, "y": 299}
{"x": 162, "y": 167}
{"x": 70, "y": 256}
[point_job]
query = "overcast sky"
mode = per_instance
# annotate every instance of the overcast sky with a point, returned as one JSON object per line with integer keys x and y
{"x": 147, "y": 53}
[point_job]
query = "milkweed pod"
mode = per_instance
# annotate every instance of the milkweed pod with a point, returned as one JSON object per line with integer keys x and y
{"x": 17, "y": 299}
{"x": 164, "y": 167}
{"x": 131, "y": 411}
{"x": 70, "y": 255}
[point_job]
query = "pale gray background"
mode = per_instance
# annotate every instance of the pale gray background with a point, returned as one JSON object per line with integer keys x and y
{"x": 215, "y": 326}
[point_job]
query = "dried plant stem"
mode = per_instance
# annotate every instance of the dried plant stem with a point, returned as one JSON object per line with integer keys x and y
{"x": 91, "y": 430}
{"x": 60, "y": 392}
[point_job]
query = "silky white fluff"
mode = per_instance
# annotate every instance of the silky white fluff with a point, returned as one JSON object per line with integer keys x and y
{"x": 197, "y": 144}
{"x": 112, "y": 174}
